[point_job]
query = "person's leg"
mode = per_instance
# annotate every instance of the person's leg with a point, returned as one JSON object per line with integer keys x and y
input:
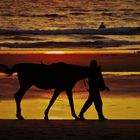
{"x": 98, "y": 105}
{"x": 87, "y": 104}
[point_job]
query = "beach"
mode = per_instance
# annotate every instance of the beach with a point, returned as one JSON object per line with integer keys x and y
{"x": 51, "y": 31}
{"x": 70, "y": 129}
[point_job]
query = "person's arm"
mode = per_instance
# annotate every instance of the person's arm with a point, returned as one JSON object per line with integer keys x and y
{"x": 103, "y": 87}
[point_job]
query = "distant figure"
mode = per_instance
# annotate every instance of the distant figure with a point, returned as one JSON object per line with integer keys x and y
{"x": 96, "y": 83}
{"x": 102, "y": 26}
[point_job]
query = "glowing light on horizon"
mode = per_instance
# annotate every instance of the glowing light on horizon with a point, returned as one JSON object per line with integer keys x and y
{"x": 54, "y": 52}
{"x": 123, "y": 73}
{"x": 64, "y": 51}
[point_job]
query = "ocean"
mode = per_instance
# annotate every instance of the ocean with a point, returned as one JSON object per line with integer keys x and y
{"x": 55, "y": 24}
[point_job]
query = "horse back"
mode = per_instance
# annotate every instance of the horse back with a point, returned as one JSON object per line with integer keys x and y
{"x": 56, "y": 74}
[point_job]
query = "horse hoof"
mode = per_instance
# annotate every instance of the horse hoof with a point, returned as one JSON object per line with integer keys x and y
{"x": 21, "y": 118}
{"x": 46, "y": 118}
{"x": 82, "y": 118}
{"x": 103, "y": 119}
{"x": 77, "y": 118}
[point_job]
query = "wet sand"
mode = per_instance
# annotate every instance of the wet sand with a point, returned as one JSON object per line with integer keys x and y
{"x": 70, "y": 129}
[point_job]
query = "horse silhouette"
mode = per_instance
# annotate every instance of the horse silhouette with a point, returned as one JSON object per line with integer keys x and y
{"x": 59, "y": 76}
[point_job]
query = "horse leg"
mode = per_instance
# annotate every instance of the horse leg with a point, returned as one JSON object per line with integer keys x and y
{"x": 55, "y": 95}
{"x": 18, "y": 97}
{"x": 70, "y": 98}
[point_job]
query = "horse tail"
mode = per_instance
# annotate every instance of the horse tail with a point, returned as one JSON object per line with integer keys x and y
{"x": 7, "y": 70}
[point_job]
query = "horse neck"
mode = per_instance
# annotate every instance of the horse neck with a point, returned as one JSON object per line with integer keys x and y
{"x": 84, "y": 72}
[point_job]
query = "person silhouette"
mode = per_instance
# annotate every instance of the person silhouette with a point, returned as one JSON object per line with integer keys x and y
{"x": 94, "y": 92}
{"x": 102, "y": 26}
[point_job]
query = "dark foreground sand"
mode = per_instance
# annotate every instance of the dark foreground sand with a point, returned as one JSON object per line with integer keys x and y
{"x": 70, "y": 129}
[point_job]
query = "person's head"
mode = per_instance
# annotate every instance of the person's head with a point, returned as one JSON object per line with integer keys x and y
{"x": 97, "y": 76}
{"x": 93, "y": 64}
{"x": 102, "y": 23}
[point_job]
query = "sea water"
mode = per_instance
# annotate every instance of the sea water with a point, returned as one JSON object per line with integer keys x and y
{"x": 70, "y": 24}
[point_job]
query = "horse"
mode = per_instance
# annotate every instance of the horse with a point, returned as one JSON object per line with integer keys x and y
{"x": 59, "y": 76}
